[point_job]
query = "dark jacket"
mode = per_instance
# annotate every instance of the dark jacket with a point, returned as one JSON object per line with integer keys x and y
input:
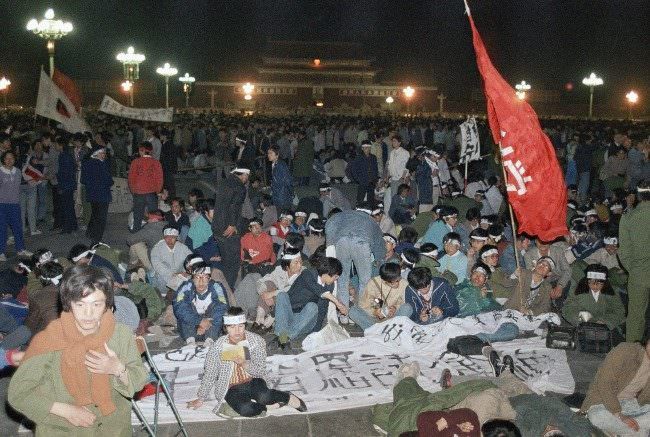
{"x": 183, "y": 220}
{"x": 67, "y": 173}
{"x": 96, "y": 176}
{"x": 425, "y": 184}
{"x": 306, "y": 289}
{"x": 228, "y": 203}
{"x": 443, "y": 297}
{"x": 44, "y": 307}
{"x": 281, "y": 185}
{"x": 169, "y": 158}
{"x": 184, "y": 308}
{"x": 363, "y": 170}
{"x": 247, "y": 159}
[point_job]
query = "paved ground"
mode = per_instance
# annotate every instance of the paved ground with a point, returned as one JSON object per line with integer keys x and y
{"x": 350, "y": 422}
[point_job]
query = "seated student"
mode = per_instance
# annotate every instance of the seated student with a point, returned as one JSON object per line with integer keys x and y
{"x": 471, "y": 223}
{"x": 201, "y": 227}
{"x": 453, "y": 260}
{"x": 44, "y": 305}
{"x": 177, "y": 218}
{"x": 80, "y": 254}
{"x": 278, "y": 281}
{"x": 477, "y": 239}
{"x": 40, "y": 257}
{"x": 406, "y": 239}
{"x": 595, "y": 300}
{"x": 448, "y": 219}
{"x": 533, "y": 297}
{"x": 299, "y": 224}
{"x": 618, "y": 399}
{"x": 390, "y": 242}
{"x": 408, "y": 259}
{"x": 495, "y": 237}
{"x": 235, "y": 366}
{"x": 500, "y": 283}
{"x": 432, "y": 299}
{"x": 383, "y": 220}
{"x": 191, "y": 208}
{"x": 199, "y": 306}
{"x": 508, "y": 259}
{"x": 167, "y": 258}
{"x": 292, "y": 242}
{"x": 402, "y": 206}
{"x": 473, "y": 294}
{"x": 429, "y": 259}
{"x": 315, "y": 237}
{"x": 383, "y": 298}
{"x": 78, "y": 375}
{"x": 303, "y": 308}
{"x": 256, "y": 252}
{"x": 141, "y": 242}
{"x": 281, "y": 228}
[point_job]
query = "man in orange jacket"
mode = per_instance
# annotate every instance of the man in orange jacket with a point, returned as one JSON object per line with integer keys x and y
{"x": 145, "y": 181}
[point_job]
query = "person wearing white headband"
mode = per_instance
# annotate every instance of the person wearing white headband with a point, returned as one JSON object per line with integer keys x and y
{"x": 44, "y": 305}
{"x": 474, "y": 294}
{"x": 531, "y": 289}
{"x": 281, "y": 229}
{"x": 80, "y": 254}
{"x": 500, "y": 282}
{"x": 167, "y": 259}
{"x": 594, "y": 300}
{"x": 315, "y": 238}
{"x": 432, "y": 299}
{"x": 229, "y": 200}
{"x": 561, "y": 270}
{"x": 447, "y": 223}
{"x": 333, "y": 198}
{"x": 199, "y": 306}
{"x": 363, "y": 170}
{"x": 299, "y": 224}
{"x": 235, "y": 372}
{"x": 607, "y": 255}
{"x": 454, "y": 260}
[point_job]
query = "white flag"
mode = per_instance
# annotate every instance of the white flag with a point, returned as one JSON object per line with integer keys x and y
{"x": 53, "y": 103}
{"x": 470, "y": 145}
{"x": 161, "y": 115}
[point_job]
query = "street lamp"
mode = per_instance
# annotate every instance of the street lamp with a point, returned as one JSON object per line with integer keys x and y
{"x": 131, "y": 62}
{"x": 409, "y": 92}
{"x": 632, "y": 97}
{"x": 50, "y": 30}
{"x": 390, "y": 99}
{"x": 187, "y": 87}
{"x": 167, "y": 71}
{"x": 248, "y": 89}
{"x": 522, "y": 88}
{"x": 4, "y": 87}
{"x": 592, "y": 81}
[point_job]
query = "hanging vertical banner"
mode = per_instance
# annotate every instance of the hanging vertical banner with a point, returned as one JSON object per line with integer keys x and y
{"x": 470, "y": 143}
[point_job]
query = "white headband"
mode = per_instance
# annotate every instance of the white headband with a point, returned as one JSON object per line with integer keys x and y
{"x": 202, "y": 271}
{"x": 239, "y": 140}
{"x": 548, "y": 261}
{"x": 83, "y": 254}
{"x": 390, "y": 239}
{"x": 96, "y": 153}
{"x": 490, "y": 252}
{"x": 571, "y": 205}
{"x": 615, "y": 206}
{"x": 301, "y": 214}
{"x": 323, "y": 189}
{"x": 288, "y": 245}
{"x": 643, "y": 190}
{"x": 291, "y": 256}
{"x": 55, "y": 280}
{"x": 366, "y": 145}
{"x": 486, "y": 221}
{"x": 241, "y": 170}
{"x": 597, "y": 275}
{"x": 367, "y": 211}
{"x": 432, "y": 254}
{"x": 376, "y": 212}
{"x": 591, "y": 212}
{"x": 170, "y": 232}
{"x": 479, "y": 238}
{"x": 234, "y": 320}
{"x": 496, "y": 238}
{"x": 453, "y": 241}
{"x": 194, "y": 261}
{"x": 313, "y": 229}
{"x": 24, "y": 267}
{"x": 481, "y": 270}
{"x": 406, "y": 260}
{"x": 45, "y": 257}
{"x": 450, "y": 215}
{"x": 611, "y": 240}
{"x": 456, "y": 193}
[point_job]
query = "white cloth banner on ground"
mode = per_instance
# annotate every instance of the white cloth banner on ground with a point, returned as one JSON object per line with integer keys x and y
{"x": 53, "y": 103}
{"x": 161, "y": 115}
{"x": 361, "y": 371}
{"x": 470, "y": 149}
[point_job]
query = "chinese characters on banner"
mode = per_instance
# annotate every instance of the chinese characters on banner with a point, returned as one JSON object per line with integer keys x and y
{"x": 470, "y": 144}
{"x": 160, "y": 115}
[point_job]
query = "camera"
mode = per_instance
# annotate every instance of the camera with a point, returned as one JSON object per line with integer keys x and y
{"x": 377, "y": 302}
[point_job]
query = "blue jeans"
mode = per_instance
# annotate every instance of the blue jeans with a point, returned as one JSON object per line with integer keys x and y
{"x": 293, "y": 324}
{"x": 602, "y": 419}
{"x": 15, "y": 335}
{"x": 583, "y": 185}
{"x": 187, "y": 330}
{"x": 505, "y": 332}
{"x": 140, "y": 202}
{"x": 571, "y": 175}
{"x": 10, "y": 216}
{"x": 353, "y": 250}
{"x": 28, "y": 205}
{"x": 365, "y": 320}
{"x": 41, "y": 201}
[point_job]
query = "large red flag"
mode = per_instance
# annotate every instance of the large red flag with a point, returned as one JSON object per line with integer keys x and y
{"x": 535, "y": 184}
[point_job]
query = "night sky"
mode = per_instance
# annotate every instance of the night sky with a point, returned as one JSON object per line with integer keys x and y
{"x": 546, "y": 42}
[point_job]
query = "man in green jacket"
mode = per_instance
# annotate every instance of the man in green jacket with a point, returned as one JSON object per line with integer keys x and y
{"x": 634, "y": 241}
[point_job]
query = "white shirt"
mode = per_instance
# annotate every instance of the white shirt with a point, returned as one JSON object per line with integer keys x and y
{"x": 595, "y": 295}
{"x": 396, "y": 164}
{"x": 201, "y": 305}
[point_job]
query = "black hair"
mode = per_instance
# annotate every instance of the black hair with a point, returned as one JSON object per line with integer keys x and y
{"x": 76, "y": 250}
{"x": 329, "y": 266}
{"x": 419, "y": 277}
{"x": 285, "y": 263}
{"x": 450, "y": 236}
{"x": 402, "y": 188}
{"x": 500, "y": 428}
{"x": 168, "y": 227}
{"x": 408, "y": 234}
{"x": 5, "y": 153}
{"x": 334, "y": 211}
{"x": 79, "y": 282}
{"x": 295, "y": 240}
{"x": 473, "y": 214}
{"x": 196, "y": 192}
{"x": 318, "y": 255}
{"x": 204, "y": 205}
{"x": 428, "y": 247}
{"x": 484, "y": 266}
{"x": 583, "y": 284}
{"x": 644, "y": 196}
{"x": 390, "y": 272}
{"x": 188, "y": 258}
{"x": 234, "y": 311}
{"x": 484, "y": 249}
{"x": 49, "y": 270}
{"x": 479, "y": 232}
{"x": 180, "y": 201}
{"x": 275, "y": 148}
{"x": 412, "y": 255}
{"x": 495, "y": 229}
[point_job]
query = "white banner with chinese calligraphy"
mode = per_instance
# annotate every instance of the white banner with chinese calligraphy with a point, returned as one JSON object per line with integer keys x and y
{"x": 160, "y": 115}
{"x": 470, "y": 145}
{"x": 361, "y": 371}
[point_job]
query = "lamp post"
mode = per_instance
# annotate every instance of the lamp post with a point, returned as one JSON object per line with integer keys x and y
{"x": 441, "y": 98}
{"x": 522, "y": 87}
{"x": 4, "y": 87}
{"x": 409, "y": 92}
{"x": 592, "y": 81}
{"x": 167, "y": 71}
{"x": 131, "y": 63}
{"x": 127, "y": 87}
{"x": 632, "y": 97}
{"x": 248, "y": 89}
{"x": 50, "y": 30}
{"x": 187, "y": 87}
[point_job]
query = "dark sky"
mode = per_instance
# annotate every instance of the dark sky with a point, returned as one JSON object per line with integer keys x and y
{"x": 546, "y": 42}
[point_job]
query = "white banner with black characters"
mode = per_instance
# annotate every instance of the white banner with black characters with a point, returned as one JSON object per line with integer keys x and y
{"x": 160, "y": 115}
{"x": 470, "y": 149}
{"x": 361, "y": 371}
